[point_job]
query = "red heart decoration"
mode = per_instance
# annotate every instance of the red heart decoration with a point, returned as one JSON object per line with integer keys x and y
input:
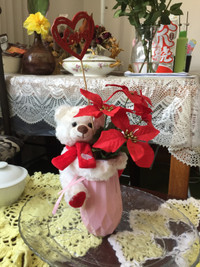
{"x": 71, "y": 37}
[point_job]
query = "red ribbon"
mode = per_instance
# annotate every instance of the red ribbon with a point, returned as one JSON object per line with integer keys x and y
{"x": 81, "y": 150}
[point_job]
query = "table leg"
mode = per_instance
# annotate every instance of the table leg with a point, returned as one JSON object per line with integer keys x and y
{"x": 178, "y": 179}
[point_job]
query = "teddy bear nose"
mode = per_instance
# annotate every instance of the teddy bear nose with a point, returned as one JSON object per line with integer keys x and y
{"x": 82, "y": 129}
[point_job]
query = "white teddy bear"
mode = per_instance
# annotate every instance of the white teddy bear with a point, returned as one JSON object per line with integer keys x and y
{"x": 76, "y": 161}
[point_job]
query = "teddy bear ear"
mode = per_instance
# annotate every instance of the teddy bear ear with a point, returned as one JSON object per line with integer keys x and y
{"x": 61, "y": 111}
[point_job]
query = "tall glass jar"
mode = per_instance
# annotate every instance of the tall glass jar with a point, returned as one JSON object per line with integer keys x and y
{"x": 146, "y": 51}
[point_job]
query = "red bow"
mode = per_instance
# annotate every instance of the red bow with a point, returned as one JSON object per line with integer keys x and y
{"x": 80, "y": 149}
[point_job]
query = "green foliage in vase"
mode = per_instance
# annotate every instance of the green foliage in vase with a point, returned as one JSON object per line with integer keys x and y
{"x": 143, "y": 14}
{"x": 35, "y": 6}
{"x": 147, "y": 12}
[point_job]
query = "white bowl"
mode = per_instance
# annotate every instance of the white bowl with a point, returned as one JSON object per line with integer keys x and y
{"x": 12, "y": 183}
{"x": 94, "y": 65}
{"x": 11, "y": 64}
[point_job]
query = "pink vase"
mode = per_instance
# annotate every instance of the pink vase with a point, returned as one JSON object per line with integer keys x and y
{"x": 102, "y": 211}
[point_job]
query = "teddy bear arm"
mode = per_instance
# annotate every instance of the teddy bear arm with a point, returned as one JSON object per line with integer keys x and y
{"x": 73, "y": 189}
{"x": 120, "y": 161}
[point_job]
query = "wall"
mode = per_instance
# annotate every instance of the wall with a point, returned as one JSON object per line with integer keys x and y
{"x": 193, "y": 7}
{"x": 58, "y": 7}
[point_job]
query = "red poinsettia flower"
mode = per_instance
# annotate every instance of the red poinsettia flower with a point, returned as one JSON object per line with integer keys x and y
{"x": 141, "y": 102}
{"x": 132, "y": 95}
{"x": 135, "y": 136}
{"x": 98, "y": 106}
{"x": 144, "y": 112}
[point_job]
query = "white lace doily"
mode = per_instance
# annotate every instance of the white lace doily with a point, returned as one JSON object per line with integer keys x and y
{"x": 175, "y": 103}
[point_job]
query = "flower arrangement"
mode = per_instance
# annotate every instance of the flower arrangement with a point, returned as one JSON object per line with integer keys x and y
{"x": 37, "y": 23}
{"x": 119, "y": 133}
{"x": 125, "y": 129}
{"x": 103, "y": 40}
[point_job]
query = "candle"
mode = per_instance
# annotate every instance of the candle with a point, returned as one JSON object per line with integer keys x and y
{"x": 102, "y": 11}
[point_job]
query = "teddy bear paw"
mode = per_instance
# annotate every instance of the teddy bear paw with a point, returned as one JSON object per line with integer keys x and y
{"x": 77, "y": 200}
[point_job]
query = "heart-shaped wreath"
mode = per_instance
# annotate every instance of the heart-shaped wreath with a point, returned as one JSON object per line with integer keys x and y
{"x": 71, "y": 36}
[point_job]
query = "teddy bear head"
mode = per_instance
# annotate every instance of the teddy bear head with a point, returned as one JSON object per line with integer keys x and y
{"x": 70, "y": 129}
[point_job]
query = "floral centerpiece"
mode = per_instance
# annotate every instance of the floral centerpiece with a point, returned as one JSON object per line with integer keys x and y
{"x": 97, "y": 139}
{"x": 122, "y": 132}
{"x": 143, "y": 15}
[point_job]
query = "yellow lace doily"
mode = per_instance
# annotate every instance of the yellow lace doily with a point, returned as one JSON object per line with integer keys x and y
{"x": 14, "y": 252}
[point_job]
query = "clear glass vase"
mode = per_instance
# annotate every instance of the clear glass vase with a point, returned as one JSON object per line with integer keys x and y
{"x": 146, "y": 51}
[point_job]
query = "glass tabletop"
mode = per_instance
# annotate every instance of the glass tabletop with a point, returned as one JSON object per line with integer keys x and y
{"x": 151, "y": 233}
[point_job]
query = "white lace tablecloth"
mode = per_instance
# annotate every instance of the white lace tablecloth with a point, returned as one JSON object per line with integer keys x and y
{"x": 175, "y": 100}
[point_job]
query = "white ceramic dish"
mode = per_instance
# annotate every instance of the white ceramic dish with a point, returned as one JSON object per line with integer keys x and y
{"x": 94, "y": 65}
{"x": 12, "y": 183}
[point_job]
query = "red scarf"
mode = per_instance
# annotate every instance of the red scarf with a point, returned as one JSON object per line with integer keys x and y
{"x": 80, "y": 149}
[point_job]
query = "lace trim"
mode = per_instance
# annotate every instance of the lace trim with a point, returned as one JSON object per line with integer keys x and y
{"x": 175, "y": 101}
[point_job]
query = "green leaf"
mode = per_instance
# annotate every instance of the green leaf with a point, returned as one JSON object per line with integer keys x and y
{"x": 123, "y": 7}
{"x": 162, "y": 7}
{"x": 175, "y": 6}
{"x": 117, "y": 13}
{"x": 35, "y": 6}
{"x": 132, "y": 21}
{"x": 177, "y": 12}
{"x": 165, "y": 19}
{"x": 155, "y": 16}
{"x": 116, "y": 6}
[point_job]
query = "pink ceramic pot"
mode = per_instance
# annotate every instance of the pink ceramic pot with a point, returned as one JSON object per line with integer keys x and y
{"x": 102, "y": 211}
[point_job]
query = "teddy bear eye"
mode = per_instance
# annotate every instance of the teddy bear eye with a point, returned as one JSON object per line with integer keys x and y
{"x": 90, "y": 124}
{"x": 74, "y": 124}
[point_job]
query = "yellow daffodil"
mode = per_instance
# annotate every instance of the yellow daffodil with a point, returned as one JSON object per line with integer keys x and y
{"x": 38, "y": 23}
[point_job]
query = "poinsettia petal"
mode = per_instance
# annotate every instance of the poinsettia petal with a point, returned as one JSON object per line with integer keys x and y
{"x": 121, "y": 120}
{"x": 147, "y": 118}
{"x": 117, "y": 85}
{"x": 89, "y": 111}
{"x": 95, "y": 98}
{"x": 141, "y": 153}
{"x": 112, "y": 95}
{"x": 135, "y": 149}
{"x": 147, "y": 132}
{"x": 110, "y": 140}
{"x": 141, "y": 109}
{"x": 146, "y": 99}
{"x": 110, "y": 110}
{"x": 132, "y": 95}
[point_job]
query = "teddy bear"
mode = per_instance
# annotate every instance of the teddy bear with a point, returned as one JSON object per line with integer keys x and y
{"x": 77, "y": 162}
